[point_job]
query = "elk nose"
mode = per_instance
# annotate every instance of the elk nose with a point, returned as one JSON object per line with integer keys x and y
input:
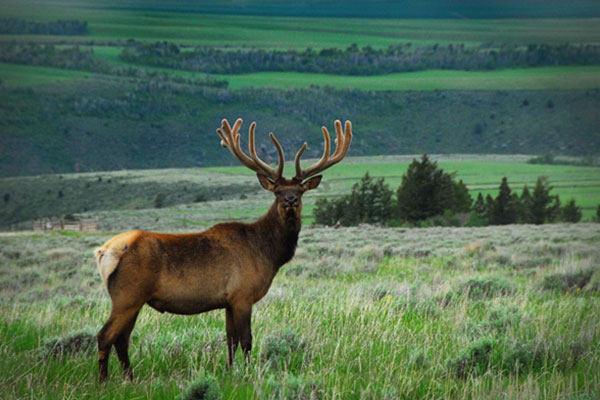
{"x": 291, "y": 200}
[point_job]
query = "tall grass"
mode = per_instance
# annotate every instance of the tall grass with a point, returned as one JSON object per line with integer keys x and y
{"x": 359, "y": 313}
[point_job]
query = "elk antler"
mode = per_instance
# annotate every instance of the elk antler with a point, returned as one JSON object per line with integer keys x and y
{"x": 231, "y": 138}
{"x": 342, "y": 141}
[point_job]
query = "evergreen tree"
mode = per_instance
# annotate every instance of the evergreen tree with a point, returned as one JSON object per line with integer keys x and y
{"x": 571, "y": 212}
{"x": 382, "y": 205}
{"x": 462, "y": 199}
{"x": 598, "y": 213}
{"x": 554, "y": 212}
{"x": 503, "y": 211}
{"x": 479, "y": 206}
{"x": 322, "y": 212}
{"x": 426, "y": 191}
{"x": 541, "y": 207}
{"x": 525, "y": 204}
{"x": 489, "y": 206}
{"x": 370, "y": 202}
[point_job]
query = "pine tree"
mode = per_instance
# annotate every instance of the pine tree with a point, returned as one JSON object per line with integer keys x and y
{"x": 571, "y": 212}
{"x": 427, "y": 191}
{"x": 479, "y": 206}
{"x": 542, "y": 209}
{"x": 462, "y": 199}
{"x": 370, "y": 202}
{"x": 503, "y": 211}
{"x": 525, "y": 204}
{"x": 322, "y": 212}
{"x": 489, "y": 206}
{"x": 381, "y": 202}
{"x": 554, "y": 212}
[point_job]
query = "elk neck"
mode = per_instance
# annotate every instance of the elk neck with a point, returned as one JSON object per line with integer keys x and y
{"x": 278, "y": 235}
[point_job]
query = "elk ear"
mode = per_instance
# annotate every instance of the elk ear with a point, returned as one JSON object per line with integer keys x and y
{"x": 266, "y": 182}
{"x": 312, "y": 183}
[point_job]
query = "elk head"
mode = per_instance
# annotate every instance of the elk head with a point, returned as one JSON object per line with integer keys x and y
{"x": 288, "y": 192}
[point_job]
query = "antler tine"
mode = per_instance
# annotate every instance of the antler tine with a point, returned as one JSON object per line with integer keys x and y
{"x": 326, "y": 150}
{"x": 280, "y": 155}
{"x": 267, "y": 170}
{"x": 297, "y": 160}
{"x": 343, "y": 140}
{"x": 231, "y": 138}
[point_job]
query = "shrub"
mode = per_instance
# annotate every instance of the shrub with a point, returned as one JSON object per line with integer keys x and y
{"x": 159, "y": 200}
{"x": 473, "y": 359}
{"x": 485, "y": 287}
{"x": 203, "y": 388}
{"x": 503, "y": 318}
{"x": 279, "y": 347}
{"x": 522, "y": 357}
{"x": 291, "y": 387}
{"x": 201, "y": 196}
{"x": 83, "y": 341}
{"x": 568, "y": 280}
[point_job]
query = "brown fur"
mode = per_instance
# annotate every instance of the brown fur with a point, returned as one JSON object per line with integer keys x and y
{"x": 230, "y": 266}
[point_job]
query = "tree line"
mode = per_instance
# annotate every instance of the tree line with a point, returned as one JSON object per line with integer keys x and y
{"x": 83, "y": 59}
{"x": 358, "y": 61}
{"x": 60, "y": 27}
{"x": 430, "y": 196}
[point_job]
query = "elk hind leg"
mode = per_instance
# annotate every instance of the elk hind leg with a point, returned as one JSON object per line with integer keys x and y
{"x": 113, "y": 328}
{"x": 122, "y": 346}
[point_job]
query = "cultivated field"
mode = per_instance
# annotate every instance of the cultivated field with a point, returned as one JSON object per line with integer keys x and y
{"x": 360, "y": 313}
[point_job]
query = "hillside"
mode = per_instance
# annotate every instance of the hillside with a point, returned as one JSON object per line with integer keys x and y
{"x": 118, "y": 123}
{"x": 372, "y": 9}
{"x": 192, "y": 198}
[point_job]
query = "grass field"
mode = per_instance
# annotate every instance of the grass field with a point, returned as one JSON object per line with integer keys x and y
{"x": 478, "y": 313}
{"x": 127, "y": 196}
{"x": 544, "y": 78}
{"x": 107, "y": 24}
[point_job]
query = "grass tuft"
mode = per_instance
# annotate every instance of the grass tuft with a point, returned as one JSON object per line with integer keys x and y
{"x": 203, "y": 388}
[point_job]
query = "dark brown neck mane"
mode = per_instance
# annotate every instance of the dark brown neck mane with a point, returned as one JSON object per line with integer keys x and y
{"x": 279, "y": 236}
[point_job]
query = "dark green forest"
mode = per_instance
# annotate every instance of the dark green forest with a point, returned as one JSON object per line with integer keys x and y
{"x": 359, "y": 61}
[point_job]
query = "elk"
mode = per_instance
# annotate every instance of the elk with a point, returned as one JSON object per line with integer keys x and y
{"x": 230, "y": 265}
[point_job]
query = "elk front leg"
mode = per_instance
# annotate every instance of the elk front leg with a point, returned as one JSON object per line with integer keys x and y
{"x": 242, "y": 316}
{"x": 232, "y": 337}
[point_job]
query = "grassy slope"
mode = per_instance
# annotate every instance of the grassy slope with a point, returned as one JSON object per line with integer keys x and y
{"x": 510, "y": 79}
{"x": 544, "y": 78}
{"x": 290, "y": 32}
{"x": 359, "y": 313}
{"x": 124, "y": 192}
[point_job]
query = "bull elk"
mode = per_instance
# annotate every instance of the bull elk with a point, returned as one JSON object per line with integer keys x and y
{"x": 230, "y": 265}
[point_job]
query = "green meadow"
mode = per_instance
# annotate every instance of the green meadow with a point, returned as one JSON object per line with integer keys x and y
{"x": 543, "y": 78}
{"x": 360, "y": 313}
{"x": 109, "y": 24}
{"x": 368, "y": 312}
{"x": 199, "y": 197}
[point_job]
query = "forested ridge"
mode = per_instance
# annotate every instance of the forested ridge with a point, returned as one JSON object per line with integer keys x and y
{"x": 115, "y": 122}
